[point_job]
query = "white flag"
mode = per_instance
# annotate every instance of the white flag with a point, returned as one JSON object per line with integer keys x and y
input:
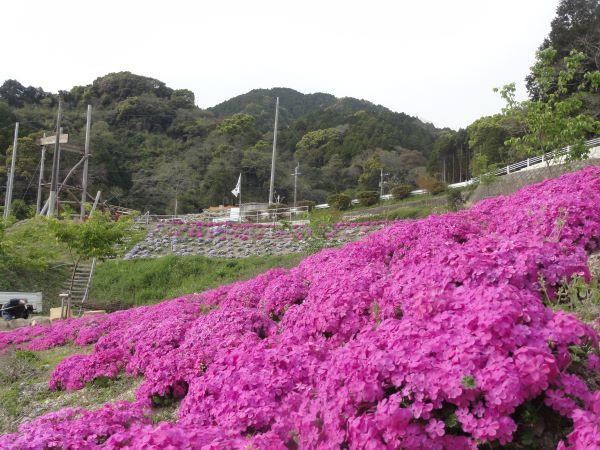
{"x": 238, "y": 186}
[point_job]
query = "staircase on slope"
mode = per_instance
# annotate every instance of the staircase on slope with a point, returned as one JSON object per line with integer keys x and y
{"x": 78, "y": 285}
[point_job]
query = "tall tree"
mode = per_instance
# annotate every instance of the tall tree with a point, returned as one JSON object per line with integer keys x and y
{"x": 555, "y": 119}
{"x": 575, "y": 27}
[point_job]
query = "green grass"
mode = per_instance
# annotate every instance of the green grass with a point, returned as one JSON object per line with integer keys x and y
{"x": 578, "y": 297}
{"x": 33, "y": 238}
{"x": 42, "y": 264}
{"x": 325, "y": 216}
{"x": 393, "y": 201}
{"x": 39, "y": 262}
{"x": 9, "y": 401}
{"x": 123, "y": 284}
{"x": 24, "y": 393}
{"x": 403, "y": 213}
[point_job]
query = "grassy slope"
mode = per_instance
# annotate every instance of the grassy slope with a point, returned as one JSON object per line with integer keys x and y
{"x": 48, "y": 262}
{"x": 33, "y": 240}
{"x": 24, "y": 390}
{"x": 416, "y": 212}
{"x": 122, "y": 284}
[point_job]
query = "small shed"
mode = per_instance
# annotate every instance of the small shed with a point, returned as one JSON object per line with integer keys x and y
{"x": 33, "y": 298}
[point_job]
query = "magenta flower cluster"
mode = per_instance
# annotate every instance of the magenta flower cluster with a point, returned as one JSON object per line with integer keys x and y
{"x": 426, "y": 334}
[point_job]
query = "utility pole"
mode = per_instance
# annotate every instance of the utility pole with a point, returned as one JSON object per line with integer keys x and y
{"x": 58, "y": 171}
{"x": 295, "y": 174}
{"x": 240, "y": 199}
{"x": 11, "y": 176}
{"x": 38, "y": 203}
{"x": 84, "y": 177}
{"x": 272, "y": 183}
{"x": 444, "y": 177}
{"x": 176, "y": 199}
{"x": 55, "y": 157}
{"x": 381, "y": 183}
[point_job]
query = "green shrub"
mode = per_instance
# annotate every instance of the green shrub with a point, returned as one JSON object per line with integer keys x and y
{"x": 21, "y": 210}
{"x": 308, "y": 203}
{"x": 68, "y": 210}
{"x": 278, "y": 206}
{"x": 430, "y": 184}
{"x": 401, "y": 191}
{"x": 455, "y": 199}
{"x": 368, "y": 198}
{"x": 350, "y": 192}
{"x": 285, "y": 225}
{"x": 339, "y": 201}
{"x": 487, "y": 179}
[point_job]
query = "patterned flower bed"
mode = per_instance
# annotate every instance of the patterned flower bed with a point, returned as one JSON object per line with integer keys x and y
{"x": 237, "y": 240}
{"x": 426, "y": 334}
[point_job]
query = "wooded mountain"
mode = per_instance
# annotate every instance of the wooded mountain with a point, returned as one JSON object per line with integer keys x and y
{"x": 151, "y": 144}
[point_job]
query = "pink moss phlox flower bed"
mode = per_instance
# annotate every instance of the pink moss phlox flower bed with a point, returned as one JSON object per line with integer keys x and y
{"x": 427, "y": 334}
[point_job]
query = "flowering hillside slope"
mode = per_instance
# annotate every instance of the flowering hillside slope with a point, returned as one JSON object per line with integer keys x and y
{"x": 426, "y": 334}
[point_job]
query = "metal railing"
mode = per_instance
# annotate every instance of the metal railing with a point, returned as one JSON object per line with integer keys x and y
{"x": 274, "y": 214}
{"x": 267, "y": 215}
{"x": 548, "y": 158}
{"x": 147, "y": 218}
{"x": 257, "y": 216}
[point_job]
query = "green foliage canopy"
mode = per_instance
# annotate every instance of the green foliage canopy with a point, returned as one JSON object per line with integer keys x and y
{"x": 97, "y": 237}
{"x": 554, "y": 120}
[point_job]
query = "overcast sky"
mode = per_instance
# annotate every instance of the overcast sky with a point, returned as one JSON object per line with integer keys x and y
{"x": 436, "y": 59}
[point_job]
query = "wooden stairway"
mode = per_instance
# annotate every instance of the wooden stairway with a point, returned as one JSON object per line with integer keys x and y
{"x": 78, "y": 285}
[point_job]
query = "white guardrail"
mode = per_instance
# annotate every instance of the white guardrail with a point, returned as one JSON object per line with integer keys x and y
{"x": 554, "y": 157}
{"x": 527, "y": 164}
{"x": 546, "y": 157}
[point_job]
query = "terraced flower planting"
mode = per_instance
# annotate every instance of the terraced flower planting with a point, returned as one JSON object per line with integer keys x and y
{"x": 236, "y": 240}
{"x": 427, "y": 334}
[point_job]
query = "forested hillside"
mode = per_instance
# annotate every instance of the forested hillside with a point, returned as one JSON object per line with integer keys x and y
{"x": 151, "y": 144}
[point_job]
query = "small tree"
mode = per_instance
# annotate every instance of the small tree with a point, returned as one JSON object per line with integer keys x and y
{"x": 371, "y": 173}
{"x": 401, "y": 191}
{"x": 306, "y": 203}
{"x": 479, "y": 164}
{"x": 554, "y": 120}
{"x": 21, "y": 210}
{"x": 98, "y": 237}
{"x": 339, "y": 201}
{"x": 368, "y": 198}
{"x": 454, "y": 199}
{"x": 430, "y": 184}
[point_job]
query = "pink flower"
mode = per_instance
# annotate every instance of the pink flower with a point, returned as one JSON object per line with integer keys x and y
{"x": 435, "y": 428}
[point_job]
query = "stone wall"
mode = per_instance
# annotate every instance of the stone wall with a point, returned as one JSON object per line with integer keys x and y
{"x": 234, "y": 240}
